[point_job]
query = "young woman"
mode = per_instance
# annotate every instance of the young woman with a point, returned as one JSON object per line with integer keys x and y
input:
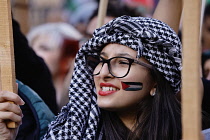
{"x": 124, "y": 84}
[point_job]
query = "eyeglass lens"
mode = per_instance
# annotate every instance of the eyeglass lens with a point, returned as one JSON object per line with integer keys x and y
{"x": 117, "y": 66}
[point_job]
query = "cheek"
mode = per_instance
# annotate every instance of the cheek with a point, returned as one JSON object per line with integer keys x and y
{"x": 138, "y": 75}
{"x": 51, "y": 57}
{"x": 143, "y": 76}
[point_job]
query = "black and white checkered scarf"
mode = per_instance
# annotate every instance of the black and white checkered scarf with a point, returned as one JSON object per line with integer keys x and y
{"x": 151, "y": 38}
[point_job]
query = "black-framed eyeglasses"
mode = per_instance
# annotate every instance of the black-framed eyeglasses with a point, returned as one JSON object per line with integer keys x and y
{"x": 118, "y": 67}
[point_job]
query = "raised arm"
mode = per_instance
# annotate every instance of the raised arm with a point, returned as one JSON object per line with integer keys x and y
{"x": 169, "y": 11}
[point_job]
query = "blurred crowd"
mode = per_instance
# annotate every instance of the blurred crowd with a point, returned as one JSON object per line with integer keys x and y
{"x": 71, "y": 11}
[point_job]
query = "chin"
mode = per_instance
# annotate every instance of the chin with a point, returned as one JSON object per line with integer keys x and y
{"x": 106, "y": 106}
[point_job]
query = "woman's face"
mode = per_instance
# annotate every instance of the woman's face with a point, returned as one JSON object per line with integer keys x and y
{"x": 46, "y": 48}
{"x": 110, "y": 91}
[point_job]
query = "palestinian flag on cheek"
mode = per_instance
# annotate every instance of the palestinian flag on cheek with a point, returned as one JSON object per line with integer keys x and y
{"x": 132, "y": 86}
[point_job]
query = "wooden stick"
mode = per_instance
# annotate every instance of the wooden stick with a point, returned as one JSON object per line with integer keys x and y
{"x": 102, "y": 12}
{"x": 7, "y": 67}
{"x": 191, "y": 92}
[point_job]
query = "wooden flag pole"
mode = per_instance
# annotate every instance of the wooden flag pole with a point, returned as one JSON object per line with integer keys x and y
{"x": 7, "y": 67}
{"x": 102, "y": 12}
{"x": 191, "y": 93}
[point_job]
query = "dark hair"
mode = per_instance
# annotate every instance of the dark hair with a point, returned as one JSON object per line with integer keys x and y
{"x": 158, "y": 117}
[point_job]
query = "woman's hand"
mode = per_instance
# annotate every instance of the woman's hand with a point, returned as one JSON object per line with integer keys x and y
{"x": 9, "y": 111}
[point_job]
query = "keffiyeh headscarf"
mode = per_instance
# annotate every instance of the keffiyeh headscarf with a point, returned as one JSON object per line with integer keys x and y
{"x": 151, "y": 38}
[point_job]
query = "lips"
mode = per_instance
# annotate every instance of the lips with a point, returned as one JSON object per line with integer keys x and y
{"x": 107, "y": 89}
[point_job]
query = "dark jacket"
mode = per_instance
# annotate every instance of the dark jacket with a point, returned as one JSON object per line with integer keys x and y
{"x": 206, "y": 96}
{"x": 32, "y": 70}
{"x": 36, "y": 113}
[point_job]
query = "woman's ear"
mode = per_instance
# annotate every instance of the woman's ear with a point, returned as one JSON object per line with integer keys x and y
{"x": 153, "y": 91}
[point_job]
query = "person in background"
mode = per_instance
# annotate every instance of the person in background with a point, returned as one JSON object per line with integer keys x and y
{"x": 31, "y": 69}
{"x": 57, "y": 44}
{"x": 205, "y": 63}
{"x": 205, "y": 58}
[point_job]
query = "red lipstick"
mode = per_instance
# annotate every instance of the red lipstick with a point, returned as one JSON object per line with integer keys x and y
{"x": 105, "y": 93}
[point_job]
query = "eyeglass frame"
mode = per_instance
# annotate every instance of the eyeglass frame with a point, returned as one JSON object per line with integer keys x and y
{"x": 130, "y": 60}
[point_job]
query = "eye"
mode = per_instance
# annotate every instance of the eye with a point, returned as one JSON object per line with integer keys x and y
{"x": 44, "y": 48}
{"x": 123, "y": 61}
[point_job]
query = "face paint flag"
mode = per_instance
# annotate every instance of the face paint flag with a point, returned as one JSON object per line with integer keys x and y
{"x": 132, "y": 86}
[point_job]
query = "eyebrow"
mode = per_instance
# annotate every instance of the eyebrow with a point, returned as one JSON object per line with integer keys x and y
{"x": 118, "y": 54}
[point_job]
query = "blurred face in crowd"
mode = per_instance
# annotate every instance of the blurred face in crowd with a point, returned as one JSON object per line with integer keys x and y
{"x": 48, "y": 49}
